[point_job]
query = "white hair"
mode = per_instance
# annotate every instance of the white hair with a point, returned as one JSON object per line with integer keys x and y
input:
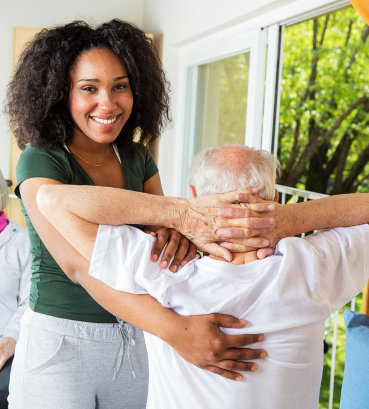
{"x": 226, "y": 168}
{"x": 4, "y": 195}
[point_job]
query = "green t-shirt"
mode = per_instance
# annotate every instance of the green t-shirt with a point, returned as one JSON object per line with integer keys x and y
{"x": 52, "y": 293}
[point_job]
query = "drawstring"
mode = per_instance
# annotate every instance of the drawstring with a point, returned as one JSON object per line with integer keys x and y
{"x": 128, "y": 342}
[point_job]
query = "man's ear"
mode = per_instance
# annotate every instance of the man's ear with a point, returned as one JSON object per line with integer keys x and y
{"x": 276, "y": 196}
{"x": 193, "y": 193}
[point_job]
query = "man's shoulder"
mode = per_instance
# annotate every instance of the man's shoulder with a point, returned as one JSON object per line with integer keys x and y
{"x": 325, "y": 236}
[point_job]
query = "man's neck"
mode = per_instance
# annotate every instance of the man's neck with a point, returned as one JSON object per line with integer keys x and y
{"x": 240, "y": 258}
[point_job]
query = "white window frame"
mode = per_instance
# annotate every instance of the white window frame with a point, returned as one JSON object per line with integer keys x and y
{"x": 256, "y": 35}
{"x": 221, "y": 45}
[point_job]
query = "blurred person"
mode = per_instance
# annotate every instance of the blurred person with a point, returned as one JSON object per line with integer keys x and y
{"x": 15, "y": 274}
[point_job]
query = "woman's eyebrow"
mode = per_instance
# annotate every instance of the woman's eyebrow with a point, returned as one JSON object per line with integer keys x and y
{"x": 120, "y": 78}
{"x": 97, "y": 80}
{"x": 89, "y": 80}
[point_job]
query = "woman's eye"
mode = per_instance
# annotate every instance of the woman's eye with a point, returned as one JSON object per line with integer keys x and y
{"x": 88, "y": 88}
{"x": 121, "y": 86}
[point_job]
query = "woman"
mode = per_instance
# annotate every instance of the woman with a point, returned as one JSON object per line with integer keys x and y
{"x": 78, "y": 99}
{"x": 15, "y": 274}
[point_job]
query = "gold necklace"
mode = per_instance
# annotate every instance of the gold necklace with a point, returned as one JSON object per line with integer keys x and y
{"x": 90, "y": 163}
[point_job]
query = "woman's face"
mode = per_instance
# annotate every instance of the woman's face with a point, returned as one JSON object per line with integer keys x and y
{"x": 100, "y": 99}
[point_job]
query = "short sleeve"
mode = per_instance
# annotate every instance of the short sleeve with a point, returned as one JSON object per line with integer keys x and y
{"x": 138, "y": 166}
{"x": 332, "y": 264}
{"x": 150, "y": 166}
{"x": 343, "y": 253}
{"x": 121, "y": 253}
{"x": 35, "y": 162}
{"x": 121, "y": 259}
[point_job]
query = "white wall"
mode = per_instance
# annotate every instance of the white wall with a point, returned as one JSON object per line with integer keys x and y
{"x": 180, "y": 23}
{"x": 45, "y": 13}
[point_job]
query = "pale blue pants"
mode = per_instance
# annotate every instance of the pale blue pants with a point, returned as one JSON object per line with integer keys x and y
{"x": 65, "y": 364}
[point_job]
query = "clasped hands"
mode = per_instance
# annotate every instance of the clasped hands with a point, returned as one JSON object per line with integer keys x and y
{"x": 220, "y": 225}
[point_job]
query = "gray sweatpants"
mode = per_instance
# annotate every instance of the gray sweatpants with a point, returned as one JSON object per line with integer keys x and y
{"x": 64, "y": 364}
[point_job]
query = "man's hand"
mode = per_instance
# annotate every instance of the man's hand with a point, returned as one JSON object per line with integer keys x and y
{"x": 250, "y": 216}
{"x": 7, "y": 348}
{"x": 199, "y": 340}
{"x": 220, "y": 218}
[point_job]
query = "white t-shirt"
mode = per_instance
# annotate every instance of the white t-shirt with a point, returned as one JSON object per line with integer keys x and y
{"x": 287, "y": 297}
{"x": 15, "y": 275}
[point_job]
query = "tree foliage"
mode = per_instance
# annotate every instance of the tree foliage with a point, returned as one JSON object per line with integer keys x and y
{"x": 324, "y": 112}
{"x": 233, "y": 99}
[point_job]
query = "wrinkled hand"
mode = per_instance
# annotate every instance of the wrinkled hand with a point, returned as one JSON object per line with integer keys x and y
{"x": 7, "y": 348}
{"x": 179, "y": 248}
{"x": 200, "y": 341}
{"x": 220, "y": 218}
{"x": 279, "y": 228}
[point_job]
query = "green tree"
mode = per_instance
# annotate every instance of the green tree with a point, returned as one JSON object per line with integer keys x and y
{"x": 324, "y": 113}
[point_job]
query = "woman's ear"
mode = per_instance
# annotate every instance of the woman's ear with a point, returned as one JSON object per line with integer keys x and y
{"x": 276, "y": 196}
{"x": 193, "y": 193}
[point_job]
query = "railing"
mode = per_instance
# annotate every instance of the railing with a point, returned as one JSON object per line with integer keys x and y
{"x": 297, "y": 193}
{"x": 293, "y": 195}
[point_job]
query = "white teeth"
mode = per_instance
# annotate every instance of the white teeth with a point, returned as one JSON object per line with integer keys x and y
{"x": 104, "y": 121}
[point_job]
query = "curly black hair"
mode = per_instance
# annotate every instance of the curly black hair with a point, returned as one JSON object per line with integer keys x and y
{"x": 38, "y": 95}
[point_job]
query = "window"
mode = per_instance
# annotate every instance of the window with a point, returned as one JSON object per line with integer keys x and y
{"x": 222, "y": 102}
{"x": 324, "y": 106}
{"x": 276, "y": 48}
{"x": 221, "y": 91}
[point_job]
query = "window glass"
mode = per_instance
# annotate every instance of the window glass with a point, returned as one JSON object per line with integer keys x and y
{"x": 324, "y": 110}
{"x": 222, "y": 101}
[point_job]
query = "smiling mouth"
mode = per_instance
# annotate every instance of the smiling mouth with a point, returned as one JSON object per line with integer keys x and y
{"x": 104, "y": 121}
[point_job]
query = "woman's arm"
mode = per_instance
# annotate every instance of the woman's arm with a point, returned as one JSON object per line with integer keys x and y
{"x": 197, "y": 339}
{"x": 329, "y": 212}
{"x": 198, "y": 219}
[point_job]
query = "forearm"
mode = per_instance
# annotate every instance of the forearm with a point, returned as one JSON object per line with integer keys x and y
{"x": 104, "y": 205}
{"x": 334, "y": 211}
{"x": 142, "y": 311}
{"x": 198, "y": 219}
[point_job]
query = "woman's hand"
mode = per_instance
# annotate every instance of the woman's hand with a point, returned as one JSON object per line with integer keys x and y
{"x": 209, "y": 220}
{"x": 179, "y": 249}
{"x": 199, "y": 340}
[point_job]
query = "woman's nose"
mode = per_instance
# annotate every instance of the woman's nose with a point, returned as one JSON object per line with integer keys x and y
{"x": 107, "y": 101}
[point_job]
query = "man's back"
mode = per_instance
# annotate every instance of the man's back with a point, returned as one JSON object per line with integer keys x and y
{"x": 287, "y": 297}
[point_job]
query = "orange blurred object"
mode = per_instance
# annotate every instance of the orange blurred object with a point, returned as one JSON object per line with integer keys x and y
{"x": 362, "y": 6}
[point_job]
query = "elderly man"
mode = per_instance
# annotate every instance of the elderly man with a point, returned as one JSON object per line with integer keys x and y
{"x": 286, "y": 296}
